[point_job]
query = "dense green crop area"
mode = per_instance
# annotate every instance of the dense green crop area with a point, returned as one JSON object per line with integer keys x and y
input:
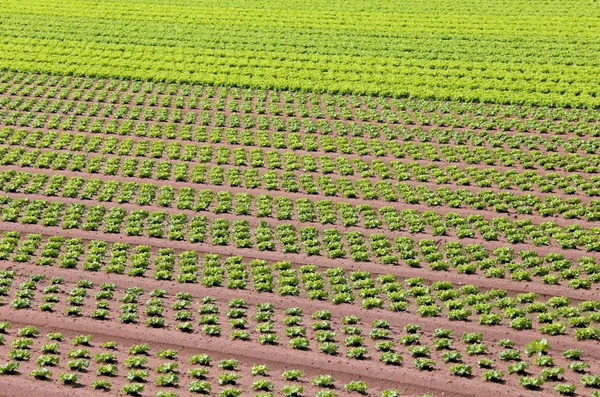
{"x": 502, "y": 51}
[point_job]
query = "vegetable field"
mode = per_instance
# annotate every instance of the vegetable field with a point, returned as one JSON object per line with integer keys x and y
{"x": 318, "y": 198}
{"x": 502, "y": 51}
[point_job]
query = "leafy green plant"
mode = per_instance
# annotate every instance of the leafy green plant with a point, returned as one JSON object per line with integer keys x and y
{"x": 537, "y": 346}
{"x": 510, "y": 354}
{"x": 167, "y": 368}
{"x": 520, "y": 367}
{"x": 107, "y": 370}
{"x": 9, "y": 368}
{"x": 68, "y": 378}
{"x": 578, "y": 366}
{"x": 41, "y": 373}
{"x": 137, "y": 375}
{"x": 461, "y": 370}
{"x": 572, "y": 354}
{"x": 531, "y": 382}
{"x": 102, "y": 384}
{"x": 391, "y": 358}
{"x": 485, "y": 363}
{"x": 229, "y": 364}
{"x": 492, "y": 375}
{"x": 326, "y": 393}
{"x": 133, "y": 389}
{"x": 292, "y": 374}
{"x": 230, "y": 392}
{"x": 323, "y": 381}
{"x": 424, "y": 364}
{"x": 356, "y": 386}
{"x": 552, "y": 373}
{"x": 166, "y": 394}
{"x": 167, "y": 354}
{"x": 390, "y": 393}
{"x": 167, "y": 380}
{"x": 28, "y": 331}
{"x": 200, "y": 359}
{"x": 544, "y": 361}
{"x": 259, "y": 370}
{"x": 200, "y": 386}
{"x": 262, "y": 384}
{"x": 506, "y": 343}
{"x": 590, "y": 380}
{"x": 81, "y": 340}
{"x": 228, "y": 378}
{"x": 565, "y": 389}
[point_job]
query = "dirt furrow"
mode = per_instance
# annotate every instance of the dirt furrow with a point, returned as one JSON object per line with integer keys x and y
{"x": 372, "y": 373}
{"x": 398, "y": 319}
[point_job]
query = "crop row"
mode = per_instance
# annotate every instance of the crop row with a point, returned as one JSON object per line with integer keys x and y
{"x": 294, "y": 181}
{"x": 144, "y": 367}
{"x": 339, "y": 130}
{"x": 273, "y": 102}
{"x": 281, "y": 207}
{"x": 84, "y": 117}
{"x": 335, "y": 284}
{"x": 391, "y": 342}
{"x": 255, "y": 157}
{"x": 141, "y": 222}
{"x": 526, "y": 311}
{"x": 192, "y": 152}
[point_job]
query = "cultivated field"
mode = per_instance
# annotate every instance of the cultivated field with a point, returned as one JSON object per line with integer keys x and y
{"x": 249, "y": 198}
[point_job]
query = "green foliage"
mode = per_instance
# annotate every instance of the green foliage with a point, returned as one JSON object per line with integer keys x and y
{"x": 493, "y": 375}
{"x": 101, "y": 384}
{"x": 9, "y": 368}
{"x": 259, "y": 370}
{"x": 133, "y": 389}
{"x": 323, "y": 381}
{"x": 292, "y": 374}
{"x": 393, "y": 79}
{"x": 41, "y": 373}
{"x": 198, "y": 386}
{"x": 461, "y": 370}
{"x": 28, "y": 331}
{"x": 68, "y": 378}
{"x": 537, "y": 346}
{"x": 356, "y": 386}
{"x": 292, "y": 390}
{"x": 565, "y": 389}
{"x": 229, "y": 364}
{"x": 531, "y": 382}
{"x": 424, "y": 363}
